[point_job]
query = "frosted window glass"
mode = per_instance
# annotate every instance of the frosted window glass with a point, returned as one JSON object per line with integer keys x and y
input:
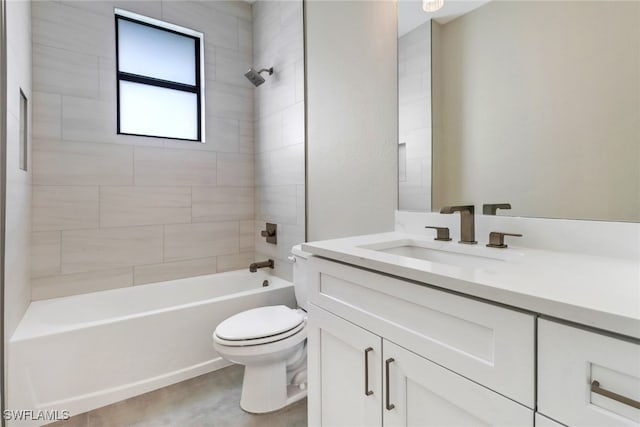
{"x": 151, "y": 52}
{"x": 155, "y": 111}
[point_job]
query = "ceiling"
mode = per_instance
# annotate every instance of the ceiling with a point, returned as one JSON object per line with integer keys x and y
{"x": 411, "y": 15}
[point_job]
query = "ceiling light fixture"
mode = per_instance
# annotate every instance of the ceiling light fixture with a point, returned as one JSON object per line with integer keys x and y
{"x": 431, "y": 5}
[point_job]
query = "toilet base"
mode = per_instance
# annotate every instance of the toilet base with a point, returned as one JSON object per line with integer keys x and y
{"x": 264, "y": 388}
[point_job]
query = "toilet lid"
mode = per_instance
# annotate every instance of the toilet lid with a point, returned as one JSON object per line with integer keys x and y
{"x": 259, "y": 323}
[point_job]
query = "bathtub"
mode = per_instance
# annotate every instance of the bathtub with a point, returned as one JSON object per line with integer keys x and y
{"x": 82, "y": 352}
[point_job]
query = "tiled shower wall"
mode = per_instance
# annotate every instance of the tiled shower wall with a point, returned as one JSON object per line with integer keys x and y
{"x": 414, "y": 119}
{"x": 114, "y": 210}
{"x": 17, "y": 293}
{"x": 279, "y": 129}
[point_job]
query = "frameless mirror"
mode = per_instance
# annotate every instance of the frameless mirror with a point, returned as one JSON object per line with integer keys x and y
{"x": 531, "y": 103}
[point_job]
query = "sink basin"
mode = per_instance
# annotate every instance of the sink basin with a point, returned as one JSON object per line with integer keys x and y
{"x": 444, "y": 253}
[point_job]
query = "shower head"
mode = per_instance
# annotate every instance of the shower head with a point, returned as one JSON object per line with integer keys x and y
{"x": 255, "y": 77}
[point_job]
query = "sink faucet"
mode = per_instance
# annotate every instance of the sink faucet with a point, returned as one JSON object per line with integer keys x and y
{"x": 253, "y": 267}
{"x": 467, "y": 225}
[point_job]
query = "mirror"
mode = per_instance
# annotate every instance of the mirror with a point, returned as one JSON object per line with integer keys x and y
{"x": 531, "y": 103}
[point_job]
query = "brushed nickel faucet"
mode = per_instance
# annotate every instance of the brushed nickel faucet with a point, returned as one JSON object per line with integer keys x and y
{"x": 467, "y": 224}
{"x": 491, "y": 208}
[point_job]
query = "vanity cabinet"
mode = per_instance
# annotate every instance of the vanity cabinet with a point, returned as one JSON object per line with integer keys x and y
{"x": 366, "y": 380}
{"x": 579, "y": 369}
{"x": 449, "y": 360}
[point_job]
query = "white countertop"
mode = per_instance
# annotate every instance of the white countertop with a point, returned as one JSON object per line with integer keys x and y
{"x": 597, "y": 291}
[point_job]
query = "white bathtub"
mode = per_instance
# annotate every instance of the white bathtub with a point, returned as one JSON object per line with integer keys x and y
{"x": 82, "y": 352}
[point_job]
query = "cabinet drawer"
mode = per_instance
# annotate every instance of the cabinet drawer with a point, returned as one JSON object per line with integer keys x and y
{"x": 570, "y": 360}
{"x": 491, "y": 345}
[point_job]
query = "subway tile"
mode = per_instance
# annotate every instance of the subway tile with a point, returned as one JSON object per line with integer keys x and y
{"x": 109, "y": 248}
{"x": 170, "y": 167}
{"x": 222, "y": 135}
{"x": 152, "y": 9}
{"x": 220, "y": 29}
{"x": 232, "y": 262}
{"x": 235, "y": 169}
{"x": 286, "y": 166}
{"x": 277, "y": 204}
{"x": 65, "y": 72}
{"x": 58, "y": 25}
{"x": 239, "y": 9}
{"x": 246, "y": 143}
{"x": 268, "y": 132}
{"x": 174, "y": 270}
{"x": 129, "y": 206}
{"x": 222, "y": 204}
{"x": 229, "y": 101}
{"x": 231, "y": 65}
{"x": 188, "y": 241}
{"x": 45, "y": 253}
{"x": 80, "y": 283}
{"x": 209, "y": 61}
{"x": 47, "y": 116}
{"x": 246, "y": 235}
{"x": 293, "y": 124}
{"x": 245, "y": 36}
{"x": 82, "y": 163}
{"x": 88, "y": 120}
{"x": 65, "y": 208}
{"x": 278, "y": 92}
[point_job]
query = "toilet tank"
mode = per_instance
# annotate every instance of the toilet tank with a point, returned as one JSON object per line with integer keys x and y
{"x": 299, "y": 258}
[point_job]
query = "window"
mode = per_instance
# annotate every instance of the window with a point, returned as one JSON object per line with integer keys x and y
{"x": 159, "y": 69}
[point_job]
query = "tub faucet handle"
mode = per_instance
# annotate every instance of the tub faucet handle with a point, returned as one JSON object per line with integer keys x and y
{"x": 496, "y": 239}
{"x": 442, "y": 233}
{"x": 270, "y": 233}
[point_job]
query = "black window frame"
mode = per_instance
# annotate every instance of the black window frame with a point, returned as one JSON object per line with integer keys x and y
{"x": 167, "y": 84}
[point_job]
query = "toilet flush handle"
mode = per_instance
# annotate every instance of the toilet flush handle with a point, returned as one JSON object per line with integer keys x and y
{"x": 291, "y": 258}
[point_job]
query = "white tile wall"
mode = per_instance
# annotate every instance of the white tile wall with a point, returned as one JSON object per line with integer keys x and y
{"x": 17, "y": 293}
{"x": 117, "y": 210}
{"x": 414, "y": 117}
{"x": 107, "y": 248}
{"x": 279, "y": 129}
{"x": 64, "y": 208}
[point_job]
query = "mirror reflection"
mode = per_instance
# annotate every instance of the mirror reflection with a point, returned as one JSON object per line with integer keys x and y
{"x": 531, "y": 103}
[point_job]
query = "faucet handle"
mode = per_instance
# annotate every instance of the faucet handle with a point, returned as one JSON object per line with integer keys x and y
{"x": 491, "y": 208}
{"x": 442, "y": 233}
{"x": 496, "y": 239}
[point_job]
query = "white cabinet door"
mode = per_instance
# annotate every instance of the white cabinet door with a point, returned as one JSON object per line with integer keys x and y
{"x": 420, "y": 393}
{"x": 542, "y": 421}
{"x": 344, "y": 372}
{"x": 586, "y": 378}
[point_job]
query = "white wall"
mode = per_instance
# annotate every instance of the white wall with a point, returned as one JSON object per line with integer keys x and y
{"x": 279, "y": 129}
{"x": 118, "y": 210}
{"x": 18, "y": 221}
{"x": 352, "y": 117}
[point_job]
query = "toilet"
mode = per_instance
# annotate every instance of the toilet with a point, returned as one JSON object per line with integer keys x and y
{"x": 271, "y": 344}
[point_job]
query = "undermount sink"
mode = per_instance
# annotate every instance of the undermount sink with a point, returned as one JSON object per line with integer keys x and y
{"x": 449, "y": 253}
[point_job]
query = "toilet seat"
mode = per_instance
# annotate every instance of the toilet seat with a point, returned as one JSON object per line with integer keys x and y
{"x": 261, "y": 325}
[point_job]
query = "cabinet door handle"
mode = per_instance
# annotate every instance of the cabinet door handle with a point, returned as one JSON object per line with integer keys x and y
{"x": 595, "y": 387}
{"x": 388, "y": 362}
{"x": 367, "y": 392}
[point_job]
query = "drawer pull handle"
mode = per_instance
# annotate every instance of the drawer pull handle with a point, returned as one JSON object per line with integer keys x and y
{"x": 367, "y": 392}
{"x": 388, "y": 362}
{"x": 595, "y": 387}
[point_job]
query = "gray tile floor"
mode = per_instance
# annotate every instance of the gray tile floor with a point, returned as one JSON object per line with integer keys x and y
{"x": 208, "y": 400}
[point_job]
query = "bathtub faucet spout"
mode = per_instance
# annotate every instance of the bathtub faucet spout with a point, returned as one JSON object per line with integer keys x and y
{"x": 262, "y": 264}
